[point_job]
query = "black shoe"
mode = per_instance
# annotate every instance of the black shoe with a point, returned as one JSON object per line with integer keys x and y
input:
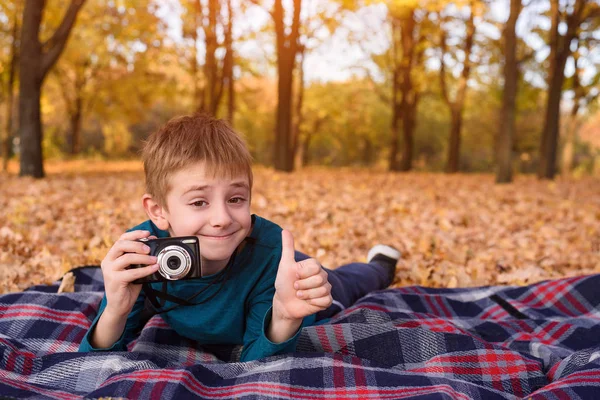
{"x": 387, "y": 257}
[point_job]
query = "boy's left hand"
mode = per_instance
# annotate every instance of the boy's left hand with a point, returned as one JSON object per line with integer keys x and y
{"x": 301, "y": 288}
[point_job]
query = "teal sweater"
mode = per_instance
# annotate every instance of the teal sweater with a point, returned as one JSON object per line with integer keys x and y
{"x": 239, "y": 314}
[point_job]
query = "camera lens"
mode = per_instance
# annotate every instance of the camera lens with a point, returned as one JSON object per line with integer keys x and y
{"x": 174, "y": 262}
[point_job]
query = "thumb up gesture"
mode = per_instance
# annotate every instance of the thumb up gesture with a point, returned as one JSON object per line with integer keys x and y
{"x": 301, "y": 288}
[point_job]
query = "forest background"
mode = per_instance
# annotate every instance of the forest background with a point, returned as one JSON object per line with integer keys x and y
{"x": 349, "y": 95}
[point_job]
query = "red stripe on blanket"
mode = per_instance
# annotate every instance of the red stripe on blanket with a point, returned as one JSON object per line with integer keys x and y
{"x": 499, "y": 366}
{"x": 61, "y": 337}
{"x": 339, "y": 381}
{"x": 432, "y": 307}
{"x": 136, "y": 390}
{"x": 157, "y": 390}
{"x": 443, "y": 307}
{"x": 24, "y": 353}
{"x": 32, "y": 310}
{"x": 323, "y": 339}
{"x": 560, "y": 332}
{"x": 561, "y": 394}
{"x": 573, "y": 379}
{"x": 433, "y": 324}
{"x": 360, "y": 380}
{"x": 548, "y": 293}
{"x": 10, "y": 362}
{"x": 495, "y": 313}
{"x": 544, "y": 334}
{"x": 338, "y": 330}
{"x": 580, "y": 307}
{"x": 544, "y": 292}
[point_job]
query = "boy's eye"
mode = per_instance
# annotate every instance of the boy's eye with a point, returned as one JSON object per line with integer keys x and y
{"x": 199, "y": 203}
{"x": 237, "y": 200}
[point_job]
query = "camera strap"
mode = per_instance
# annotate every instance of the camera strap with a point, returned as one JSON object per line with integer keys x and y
{"x": 153, "y": 295}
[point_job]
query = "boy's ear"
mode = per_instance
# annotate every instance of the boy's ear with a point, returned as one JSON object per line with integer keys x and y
{"x": 155, "y": 212}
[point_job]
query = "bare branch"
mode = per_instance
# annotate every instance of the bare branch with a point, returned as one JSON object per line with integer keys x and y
{"x": 57, "y": 42}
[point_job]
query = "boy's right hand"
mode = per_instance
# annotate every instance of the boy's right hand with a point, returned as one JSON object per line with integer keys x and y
{"x": 121, "y": 294}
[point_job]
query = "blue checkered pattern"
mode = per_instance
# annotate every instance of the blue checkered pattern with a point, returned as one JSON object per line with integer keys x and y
{"x": 538, "y": 342}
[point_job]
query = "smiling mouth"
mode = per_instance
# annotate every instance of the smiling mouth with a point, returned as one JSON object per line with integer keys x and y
{"x": 218, "y": 237}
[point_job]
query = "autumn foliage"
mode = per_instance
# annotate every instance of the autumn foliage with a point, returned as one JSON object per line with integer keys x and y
{"x": 453, "y": 230}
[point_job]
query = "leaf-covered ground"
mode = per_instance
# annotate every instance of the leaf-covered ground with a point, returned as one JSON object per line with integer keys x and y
{"x": 453, "y": 230}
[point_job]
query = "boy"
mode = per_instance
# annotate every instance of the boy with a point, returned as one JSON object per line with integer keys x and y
{"x": 253, "y": 290}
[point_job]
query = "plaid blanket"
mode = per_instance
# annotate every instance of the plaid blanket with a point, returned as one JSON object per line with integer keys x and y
{"x": 538, "y": 342}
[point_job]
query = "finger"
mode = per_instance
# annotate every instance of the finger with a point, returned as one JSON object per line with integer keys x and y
{"x": 308, "y": 267}
{"x": 134, "y": 235}
{"x": 322, "y": 302}
{"x": 287, "y": 247}
{"x": 310, "y": 282}
{"x": 314, "y": 293}
{"x": 131, "y": 275}
{"x": 129, "y": 259}
{"x": 123, "y": 246}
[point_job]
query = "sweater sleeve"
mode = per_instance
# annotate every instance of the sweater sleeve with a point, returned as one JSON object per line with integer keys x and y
{"x": 258, "y": 318}
{"x": 129, "y": 333}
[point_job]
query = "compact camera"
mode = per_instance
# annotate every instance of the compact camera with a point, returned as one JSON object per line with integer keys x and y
{"x": 178, "y": 258}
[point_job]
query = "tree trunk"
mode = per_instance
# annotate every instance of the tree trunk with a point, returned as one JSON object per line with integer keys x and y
{"x": 395, "y": 99}
{"x": 507, "y": 113}
{"x": 283, "y": 124}
{"x": 393, "y": 161}
{"x": 297, "y": 138}
{"x": 408, "y": 129}
{"x": 6, "y": 143}
{"x": 217, "y": 74}
{"x": 453, "y": 164}
{"x": 573, "y": 126}
{"x": 229, "y": 71}
{"x": 35, "y": 62}
{"x": 549, "y": 146}
{"x": 30, "y": 127}
{"x": 456, "y": 106}
{"x": 560, "y": 49}
{"x": 30, "y": 84}
{"x": 231, "y": 99}
{"x": 310, "y": 134}
{"x": 408, "y": 103}
{"x": 75, "y": 122}
{"x": 287, "y": 48}
{"x": 210, "y": 63}
{"x": 305, "y": 153}
{"x": 569, "y": 149}
{"x": 198, "y": 96}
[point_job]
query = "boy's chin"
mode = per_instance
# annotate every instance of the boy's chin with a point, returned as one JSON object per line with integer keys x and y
{"x": 214, "y": 257}
{"x": 213, "y": 265}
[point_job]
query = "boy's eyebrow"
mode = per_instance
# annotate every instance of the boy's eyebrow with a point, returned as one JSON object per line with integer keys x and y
{"x": 239, "y": 184}
{"x": 195, "y": 188}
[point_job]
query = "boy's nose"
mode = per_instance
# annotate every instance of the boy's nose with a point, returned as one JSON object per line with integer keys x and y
{"x": 220, "y": 216}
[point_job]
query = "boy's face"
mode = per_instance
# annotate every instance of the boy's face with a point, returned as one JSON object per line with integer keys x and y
{"x": 215, "y": 210}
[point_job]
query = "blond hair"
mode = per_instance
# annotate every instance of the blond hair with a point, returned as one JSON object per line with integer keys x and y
{"x": 189, "y": 139}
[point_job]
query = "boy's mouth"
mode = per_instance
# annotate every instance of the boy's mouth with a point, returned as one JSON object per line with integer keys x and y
{"x": 218, "y": 237}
